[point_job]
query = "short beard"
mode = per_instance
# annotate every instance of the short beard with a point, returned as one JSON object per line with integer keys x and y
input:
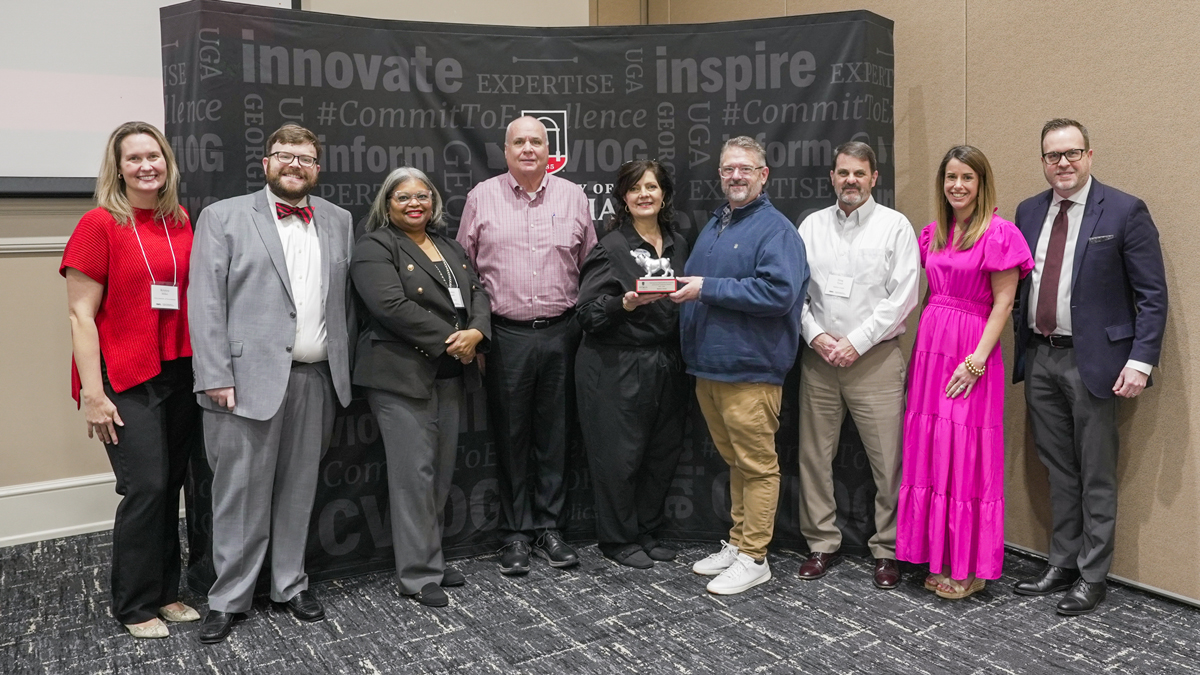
{"x": 849, "y": 201}
{"x": 280, "y": 191}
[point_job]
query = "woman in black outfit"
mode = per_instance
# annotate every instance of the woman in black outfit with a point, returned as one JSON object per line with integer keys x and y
{"x": 629, "y": 374}
{"x": 429, "y": 316}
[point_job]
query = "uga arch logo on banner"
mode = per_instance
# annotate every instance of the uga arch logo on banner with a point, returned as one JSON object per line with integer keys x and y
{"x": 556, "y": 136}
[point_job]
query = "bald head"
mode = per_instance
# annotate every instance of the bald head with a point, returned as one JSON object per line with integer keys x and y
{"x": 526, "y": 151}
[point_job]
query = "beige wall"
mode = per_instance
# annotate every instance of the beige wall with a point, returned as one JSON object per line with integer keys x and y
{"x": 489, "y": 12}
{"x": 45, "y": 437}
{"x": 986, "y": 73}
{"x": 1128, "y": 71}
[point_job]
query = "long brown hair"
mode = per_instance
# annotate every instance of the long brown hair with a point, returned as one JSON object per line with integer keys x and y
{"x": 985, "y": 200}
{"x": 628, "y": 176}
{"x": 110, "y": 189}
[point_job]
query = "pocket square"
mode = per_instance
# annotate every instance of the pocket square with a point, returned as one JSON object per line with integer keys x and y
{"x": 1103, "y": 237}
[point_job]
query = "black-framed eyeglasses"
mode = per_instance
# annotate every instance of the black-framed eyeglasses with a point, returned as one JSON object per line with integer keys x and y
{"x": 1072, "y": 155}
{"x": 727, "y": 171}
{"x": 287, "y": 158}
{"x": 402, "y": 198}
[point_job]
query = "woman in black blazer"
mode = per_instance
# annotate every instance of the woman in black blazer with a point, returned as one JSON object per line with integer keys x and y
{"x": 428, "y": 317}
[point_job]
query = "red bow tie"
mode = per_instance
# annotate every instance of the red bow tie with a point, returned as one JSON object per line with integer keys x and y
{"x": 304, "y": 213}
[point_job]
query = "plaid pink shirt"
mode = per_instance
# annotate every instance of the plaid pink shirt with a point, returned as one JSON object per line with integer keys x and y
{"x": 528, "y": 252}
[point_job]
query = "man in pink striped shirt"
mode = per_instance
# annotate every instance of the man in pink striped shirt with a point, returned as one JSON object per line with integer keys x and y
{"x": 527, "y": 233}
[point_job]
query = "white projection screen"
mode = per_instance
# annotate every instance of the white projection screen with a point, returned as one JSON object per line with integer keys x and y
{"x": 70, "y": 72}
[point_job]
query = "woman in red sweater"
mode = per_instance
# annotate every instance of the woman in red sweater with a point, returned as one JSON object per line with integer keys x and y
{"x": 126, "y": 266}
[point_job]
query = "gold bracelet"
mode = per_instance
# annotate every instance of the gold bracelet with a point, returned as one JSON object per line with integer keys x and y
{"x": 973, "y": 369}
{"x": 625, "y": 307}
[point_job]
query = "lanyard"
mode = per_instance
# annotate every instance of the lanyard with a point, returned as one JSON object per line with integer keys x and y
{"x": 452, "y": 282}
{"x": 174, "y": 263}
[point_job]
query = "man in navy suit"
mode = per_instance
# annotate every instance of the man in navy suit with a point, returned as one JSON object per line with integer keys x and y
{"x": 1089, "y": 324}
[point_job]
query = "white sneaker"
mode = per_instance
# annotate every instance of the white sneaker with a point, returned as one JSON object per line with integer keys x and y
{"x": 717, "y": 562}
{"x": 742, "y": 575}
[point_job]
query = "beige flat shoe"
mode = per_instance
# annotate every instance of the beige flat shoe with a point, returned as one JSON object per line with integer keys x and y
{"x": 179, "y": 615}
{"x": 151, "y": 630}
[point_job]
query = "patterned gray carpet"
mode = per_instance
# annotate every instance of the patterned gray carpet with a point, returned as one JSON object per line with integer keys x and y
{"x": 597, "y": 618}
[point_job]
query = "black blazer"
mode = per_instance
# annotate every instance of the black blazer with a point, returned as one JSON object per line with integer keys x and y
{"x": 1118, "y": 286}
{"x": 410, "y": 313}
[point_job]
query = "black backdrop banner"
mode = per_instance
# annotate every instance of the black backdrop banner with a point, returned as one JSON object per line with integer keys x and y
{"x": 381, "y": 94}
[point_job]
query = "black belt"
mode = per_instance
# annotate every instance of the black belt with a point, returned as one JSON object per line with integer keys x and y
{"x": 535, "y": 324}
{"x": 1055, "y": 341}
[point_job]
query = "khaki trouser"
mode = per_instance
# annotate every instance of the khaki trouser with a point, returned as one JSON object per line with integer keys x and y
{"x": 742, "y": 419}
{"x": 872, "y": 389}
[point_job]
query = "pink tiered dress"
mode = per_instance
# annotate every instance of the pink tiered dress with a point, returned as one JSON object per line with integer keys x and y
{"x": 951, "y": 511}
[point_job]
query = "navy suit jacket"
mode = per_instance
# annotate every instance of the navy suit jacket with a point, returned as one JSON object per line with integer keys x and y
{"x": 1118, "y": 286}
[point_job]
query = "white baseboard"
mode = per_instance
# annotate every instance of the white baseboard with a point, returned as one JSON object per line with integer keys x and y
{"x": 57, "y": 508}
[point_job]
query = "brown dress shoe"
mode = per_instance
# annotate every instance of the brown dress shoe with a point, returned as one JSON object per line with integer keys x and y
{"x": 816, "y": 566}
{"x": 887, "y": 573}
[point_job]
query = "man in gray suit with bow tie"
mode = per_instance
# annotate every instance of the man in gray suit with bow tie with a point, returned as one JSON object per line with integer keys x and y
{"x": 270, "y": 323}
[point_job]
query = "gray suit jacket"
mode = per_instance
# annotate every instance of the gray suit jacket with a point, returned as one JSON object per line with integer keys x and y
{"x": 240, "y": 306}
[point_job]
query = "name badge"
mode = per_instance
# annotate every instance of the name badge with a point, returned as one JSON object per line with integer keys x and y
{"x": 164, "y": 297}
{"x": 456, "y": 296}
{"x": 839, "y": 285}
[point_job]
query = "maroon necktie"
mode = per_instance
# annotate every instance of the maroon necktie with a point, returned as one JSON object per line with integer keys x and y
{"x": 1046, "y": 317}
{"x": 304, "y": 213}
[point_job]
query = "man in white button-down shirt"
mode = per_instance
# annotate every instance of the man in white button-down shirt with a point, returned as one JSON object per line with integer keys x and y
{"x": 865, "y": 274}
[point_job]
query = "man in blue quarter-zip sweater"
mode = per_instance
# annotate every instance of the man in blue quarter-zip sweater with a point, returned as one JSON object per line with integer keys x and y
{"x": 743, "y": 292}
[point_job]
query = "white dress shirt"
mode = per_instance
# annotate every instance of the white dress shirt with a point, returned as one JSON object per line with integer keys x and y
{"x": 302, "y": 252}
{"x": 1062, "y": 318}
{"x": 877, "y": 248}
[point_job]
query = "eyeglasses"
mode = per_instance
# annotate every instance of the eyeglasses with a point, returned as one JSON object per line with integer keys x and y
{"x": 1073, "y": 155}
{"x": 287, "y": 158}
{"x": 727, "y": 171}
{"x": 421, "y": 197}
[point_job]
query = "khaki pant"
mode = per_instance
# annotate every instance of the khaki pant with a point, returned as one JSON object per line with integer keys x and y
{"x": 872, "y": 389}
{"x": 742, "y": 419}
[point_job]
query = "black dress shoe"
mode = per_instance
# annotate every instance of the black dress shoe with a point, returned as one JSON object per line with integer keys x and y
{"x": 556, "y": 551}
{"x": 216, "y": 626}
{"x": 452, "y": 577}
{"x": 656, "y": 550}
{"x": 633, "y": 556}
{"x": 1052, "y": 580}
{"x": 1083, "y": 598}
{"x": 432, "y": 595}
{"x": 514, "y": 558}
{"x": 304, "y": 606}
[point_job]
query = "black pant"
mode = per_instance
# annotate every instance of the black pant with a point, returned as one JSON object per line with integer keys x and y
{"x": 530, "y": 390}
{"x": 162, "y": 420}
{"x": 631, "y": 411}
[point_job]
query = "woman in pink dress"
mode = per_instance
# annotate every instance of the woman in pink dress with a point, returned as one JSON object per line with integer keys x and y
{"x": 951, "y": 512}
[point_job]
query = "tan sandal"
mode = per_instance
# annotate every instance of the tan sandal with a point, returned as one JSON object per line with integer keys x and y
{"x": 956, "y": 591}
{"x": 933, "y": 581}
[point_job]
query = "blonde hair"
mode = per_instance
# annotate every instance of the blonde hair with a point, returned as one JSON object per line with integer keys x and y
{"x": 110, "y": 188}
{"x": 985, "y": 200}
